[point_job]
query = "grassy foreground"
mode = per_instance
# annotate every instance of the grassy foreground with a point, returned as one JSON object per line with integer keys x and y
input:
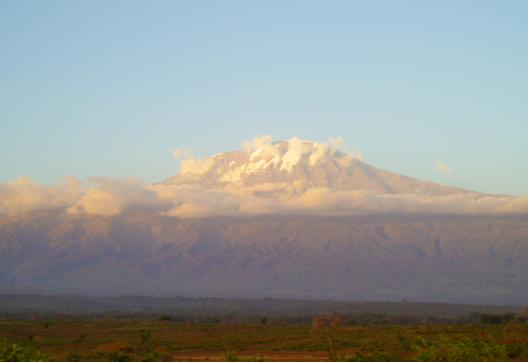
{"x": 164, "y": 340}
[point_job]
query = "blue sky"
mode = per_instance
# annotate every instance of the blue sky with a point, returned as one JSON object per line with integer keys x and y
{"x": 109, "y": 87}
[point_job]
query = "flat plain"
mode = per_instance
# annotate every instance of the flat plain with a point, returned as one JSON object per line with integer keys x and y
{"x": 131, "y": 339}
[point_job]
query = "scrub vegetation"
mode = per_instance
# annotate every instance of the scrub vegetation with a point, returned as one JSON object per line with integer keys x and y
{"x": 321, "y": 338}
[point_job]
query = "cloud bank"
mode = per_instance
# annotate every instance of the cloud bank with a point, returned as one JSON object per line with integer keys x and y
{"x": 110, "y": 197}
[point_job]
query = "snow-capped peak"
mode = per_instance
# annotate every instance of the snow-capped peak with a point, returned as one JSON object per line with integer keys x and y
{"x": 294, "y": 166}
{"x": 262, "y": 156}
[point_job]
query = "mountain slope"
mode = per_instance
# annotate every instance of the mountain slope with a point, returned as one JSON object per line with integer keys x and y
{"x": 428, "y": 258}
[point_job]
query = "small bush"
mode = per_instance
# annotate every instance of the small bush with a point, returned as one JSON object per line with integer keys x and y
{"x": 120, "y": 357}
{"x": 73, "y": 357}
{"x": 13, "y": 352}
{"x": 232, "y": 357}
{"x": 145, "y": 335}
{"x": 515, "y": 351}
{"x": 460, "y": 351}
{"x": 405, "y": 343}
{"x": 376, "y": 357}
{"x": 496, "y": 318}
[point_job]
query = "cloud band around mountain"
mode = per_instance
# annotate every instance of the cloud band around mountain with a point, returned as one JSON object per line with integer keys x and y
{"x": 198, "y": 202}
{"x": 110, "y": 197}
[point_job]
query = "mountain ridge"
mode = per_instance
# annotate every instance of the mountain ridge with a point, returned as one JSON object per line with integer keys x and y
{"x": 462, "y": 259}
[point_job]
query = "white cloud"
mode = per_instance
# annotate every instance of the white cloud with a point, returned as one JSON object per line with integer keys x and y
{"x": 296, "y": 149}
{"x": 107, "y": 197}
{"x": 443, "y": 168}
{"x": 110, "y": 197}
{"x": 189, "y": 164}
{"x": 24, "y": 195}
{"x": 339, "y": 144}
{"x": 97, "y": 202}
{"x": 196, "y": 166}
{"x": 181, "y": 153}
{"x": 256, "y": 143}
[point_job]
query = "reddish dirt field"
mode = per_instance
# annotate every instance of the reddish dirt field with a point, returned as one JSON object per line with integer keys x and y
{"x": 139, "y": 340}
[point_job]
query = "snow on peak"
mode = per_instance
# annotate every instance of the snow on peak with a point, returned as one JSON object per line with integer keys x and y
{"x": 295, "y": 164}
{"x": 262, "y": 153}
{"x": 293, "y": 167}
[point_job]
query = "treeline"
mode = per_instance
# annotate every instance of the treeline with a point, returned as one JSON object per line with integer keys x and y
{"x": 364, "y": 319}
{"x": 259, "y": 311}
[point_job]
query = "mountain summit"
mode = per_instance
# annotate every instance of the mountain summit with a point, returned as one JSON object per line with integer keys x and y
{"x": 295, "y": 166}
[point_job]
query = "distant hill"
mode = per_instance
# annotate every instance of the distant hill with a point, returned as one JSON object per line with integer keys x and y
{"x": 26, "y": 306}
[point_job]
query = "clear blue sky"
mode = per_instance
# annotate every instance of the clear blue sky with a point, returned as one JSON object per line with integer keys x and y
{"x": 108, "y": 87}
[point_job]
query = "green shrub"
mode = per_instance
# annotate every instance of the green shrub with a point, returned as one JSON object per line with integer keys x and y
{"x": 232, "y": 357}
{"x": 460, "y": 351}
{"x": 515, "y": 351}
{"x": 13, "y": 352}
{"x": 376, "y": 357}
{"x": 73, "y": 357}
{"x": 120, "y": 357}
{"x": 404, "y": 342}
{"x": 155, "y": 357}
{"x": 145, "y": 335}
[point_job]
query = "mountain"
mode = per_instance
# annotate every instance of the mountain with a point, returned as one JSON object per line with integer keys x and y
{"x": 368, "y": 234}
{"x": 296, "y": 166}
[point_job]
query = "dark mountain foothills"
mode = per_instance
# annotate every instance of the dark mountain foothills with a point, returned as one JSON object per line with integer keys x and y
{"x": 455, "y": 259}
{"x": 26, "y": 306}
